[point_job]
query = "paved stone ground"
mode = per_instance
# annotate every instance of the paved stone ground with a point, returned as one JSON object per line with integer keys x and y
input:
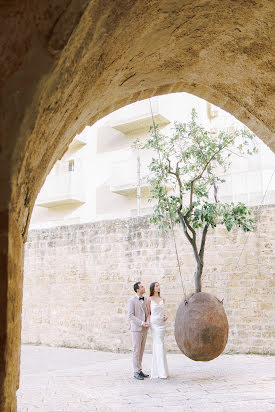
{"x": 73, "y": 380}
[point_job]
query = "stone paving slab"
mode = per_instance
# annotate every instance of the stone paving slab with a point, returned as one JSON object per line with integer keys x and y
{"x": 76, "y": 380}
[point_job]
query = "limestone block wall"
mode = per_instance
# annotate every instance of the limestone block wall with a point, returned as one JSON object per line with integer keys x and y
{"x": 78, "y": 279}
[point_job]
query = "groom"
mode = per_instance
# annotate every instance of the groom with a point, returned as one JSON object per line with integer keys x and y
{"x": 139, "y": 327}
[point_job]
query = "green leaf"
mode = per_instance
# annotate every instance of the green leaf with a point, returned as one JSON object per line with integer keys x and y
{"x": 196, "y": 155}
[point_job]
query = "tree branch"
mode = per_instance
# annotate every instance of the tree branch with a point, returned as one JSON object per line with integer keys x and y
{"x": 215, "y": 191}
{"x": 210, "y": 160}
{"x": 203, "y": 239}
{"x": 202, "y": 172}
{"x": 236, "y": 154}
{"x": 185, "y": 217}
{"x": 192, "y": 240}
{"x": 184, "y": 227}
{"x": 177, "y": 174}
{"x": 191, "y": 196}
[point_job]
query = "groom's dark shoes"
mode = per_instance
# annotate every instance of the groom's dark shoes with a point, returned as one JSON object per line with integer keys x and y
{"x": 138, "y": 376}
{"x": 143, "y": 374}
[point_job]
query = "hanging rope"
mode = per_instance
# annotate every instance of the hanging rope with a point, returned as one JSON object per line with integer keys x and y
{"x": 258, "y": 215}
{"x": 169, "y": 206}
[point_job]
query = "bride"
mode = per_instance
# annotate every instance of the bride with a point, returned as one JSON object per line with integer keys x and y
{"x": 156, "y": 317}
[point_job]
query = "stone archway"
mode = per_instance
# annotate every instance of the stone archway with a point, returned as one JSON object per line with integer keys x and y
{"x": 64, "y": 64}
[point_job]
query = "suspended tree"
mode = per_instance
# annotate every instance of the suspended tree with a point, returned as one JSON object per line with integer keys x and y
{"x": 185, "y": 174}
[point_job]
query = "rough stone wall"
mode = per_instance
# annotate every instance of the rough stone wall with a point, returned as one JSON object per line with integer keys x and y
{"x": 65, "y": 64}
{"x": 78, "y": 279}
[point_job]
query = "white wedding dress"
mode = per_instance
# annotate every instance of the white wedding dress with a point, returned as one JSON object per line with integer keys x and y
{"x": 159, "y": 367}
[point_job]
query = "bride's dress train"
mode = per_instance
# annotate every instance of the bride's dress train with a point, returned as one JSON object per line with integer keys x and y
{"x": 159, "y": 362}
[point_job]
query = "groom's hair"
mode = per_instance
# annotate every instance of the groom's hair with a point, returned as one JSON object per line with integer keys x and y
{"x": 136, "y": 286}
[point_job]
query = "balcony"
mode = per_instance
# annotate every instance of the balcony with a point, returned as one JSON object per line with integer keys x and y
{"x": 124, "y": 178}
{"x": 141, "y": 125}
{"x": 212, "y": 111}
{"x": 61, "y": 190}
{"x": 79, "y": 141}
{"x": 138, "y": 119}
{"x": 130, "y": 189}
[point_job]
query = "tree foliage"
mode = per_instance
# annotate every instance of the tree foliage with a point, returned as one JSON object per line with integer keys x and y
{"x": 185, "y": 173}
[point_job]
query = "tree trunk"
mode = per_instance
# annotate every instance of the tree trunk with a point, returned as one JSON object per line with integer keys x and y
{"x": 197, "y": 277}
{"x": 198, "y": 255}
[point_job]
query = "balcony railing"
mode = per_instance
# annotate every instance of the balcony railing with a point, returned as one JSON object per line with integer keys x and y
{"x": 62, "y": 189}
{"x": 139, "y": 121}
{"x": 124, "y": 178}
{"x": 79, "y": 141}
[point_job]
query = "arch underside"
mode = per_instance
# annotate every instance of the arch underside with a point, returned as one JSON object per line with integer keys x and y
{"x": 71, "y": 63}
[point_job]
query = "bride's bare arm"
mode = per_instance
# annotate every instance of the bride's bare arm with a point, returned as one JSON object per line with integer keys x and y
{"x": 165, "y": 317}
{"x": 148, "y": 304}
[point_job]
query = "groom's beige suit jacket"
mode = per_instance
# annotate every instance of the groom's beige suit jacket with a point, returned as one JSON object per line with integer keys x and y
{"x": 137, "y": 313}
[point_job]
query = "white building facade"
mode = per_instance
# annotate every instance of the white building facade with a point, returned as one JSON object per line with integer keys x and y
{"x": 102, "y": 175}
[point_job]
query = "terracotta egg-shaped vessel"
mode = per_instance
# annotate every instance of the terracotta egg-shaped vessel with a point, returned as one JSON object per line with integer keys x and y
{"x": 201, "y": 327}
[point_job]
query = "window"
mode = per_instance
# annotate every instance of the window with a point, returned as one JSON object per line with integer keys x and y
{"x": 71, "y": 165}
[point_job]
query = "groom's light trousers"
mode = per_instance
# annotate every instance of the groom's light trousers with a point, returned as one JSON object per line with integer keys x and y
{"x": 138, "y": 339}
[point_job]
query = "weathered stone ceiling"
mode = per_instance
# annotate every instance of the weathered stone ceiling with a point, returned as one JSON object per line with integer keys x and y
{"x": 68, "y": 63}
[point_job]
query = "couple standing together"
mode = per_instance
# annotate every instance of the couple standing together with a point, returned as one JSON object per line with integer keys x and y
{"x": 147, "y": 313}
